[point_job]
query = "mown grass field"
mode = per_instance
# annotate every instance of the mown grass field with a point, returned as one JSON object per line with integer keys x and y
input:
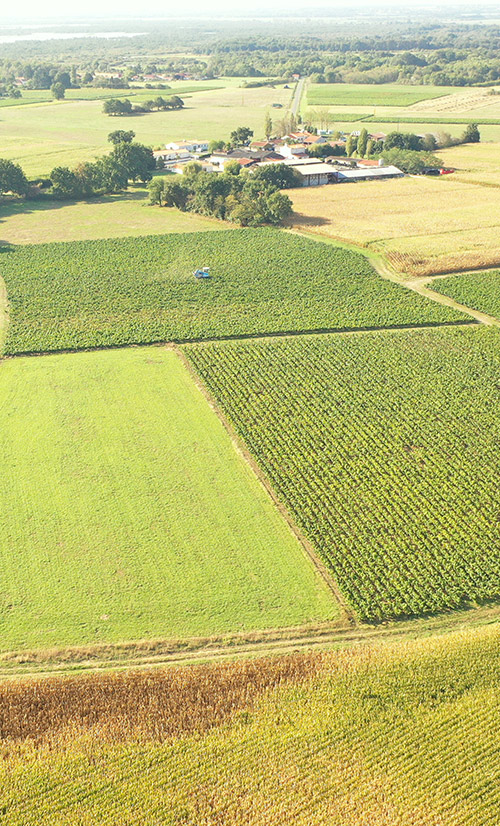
{"x": 424, "y": 225}
{"x": 73, "y": 131}
{"x": 396, "y": 735}
{"x": 384, "y": 448}
{"x": 142, "y": 290}
{"x": 126, "y": 513}
{"x": 388, "y": 94}
{"x": 479, "y": 290}
{"x": 113, "y": 216}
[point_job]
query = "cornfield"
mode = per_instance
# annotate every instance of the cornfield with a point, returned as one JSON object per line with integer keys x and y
{"x": 397, "y": 735}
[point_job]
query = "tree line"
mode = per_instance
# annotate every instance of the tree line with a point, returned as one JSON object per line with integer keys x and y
{"x": 128, "y": 161}
{"x": 123, "y": 107}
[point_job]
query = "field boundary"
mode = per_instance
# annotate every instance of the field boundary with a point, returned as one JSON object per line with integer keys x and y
{"x": 241, "y": 448}
{"x": 4, "y": 314}
{"x": 268, "y": 642}
{"x": 322, "y": 331}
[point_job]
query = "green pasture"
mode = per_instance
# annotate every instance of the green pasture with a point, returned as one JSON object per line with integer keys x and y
{"x": 126, "y": 513}
{"x": 389, "y": 94}
{"x": 141, "y": 290}
{"x": 71, "y": 131}
{"x": 385, "y": 449}
{"x": 112, "y": 216}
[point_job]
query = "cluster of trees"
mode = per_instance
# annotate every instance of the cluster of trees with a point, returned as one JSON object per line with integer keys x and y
{"x": 12, "y": 178}
{"x": 128, "y": 161}
{"x": 362, "y": 146}
{"x": 10, "y": 91}
{"x": 426, "y": 51}
{"x": 120, "y": 106}
{"x": 441, "y": 56}
{"x": 249, "y": 198}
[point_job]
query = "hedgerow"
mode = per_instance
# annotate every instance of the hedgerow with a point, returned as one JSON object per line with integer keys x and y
{"x": 140, "y": 290}
{"x": 385, "y": 449}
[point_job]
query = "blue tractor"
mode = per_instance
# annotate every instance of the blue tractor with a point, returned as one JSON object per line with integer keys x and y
{"x": 203, "y": 272}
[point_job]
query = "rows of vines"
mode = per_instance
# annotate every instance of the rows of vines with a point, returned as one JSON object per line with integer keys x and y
{"x": 140, "y": 290}
{"x": 384, "y": 447}
{"x": 480, "y": 290}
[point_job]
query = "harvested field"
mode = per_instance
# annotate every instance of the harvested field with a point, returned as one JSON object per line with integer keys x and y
{"x": 424, "y": 225}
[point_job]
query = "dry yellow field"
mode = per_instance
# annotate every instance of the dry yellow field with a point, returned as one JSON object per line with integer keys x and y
{"x": 423, "y": 225}
{"x": 475, "y": 163}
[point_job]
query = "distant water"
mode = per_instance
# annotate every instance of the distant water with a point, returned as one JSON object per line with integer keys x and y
{"x": 14, "y": 38}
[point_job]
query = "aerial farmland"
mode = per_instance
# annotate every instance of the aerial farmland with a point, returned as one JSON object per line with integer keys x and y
{"x": 249, "y": 422}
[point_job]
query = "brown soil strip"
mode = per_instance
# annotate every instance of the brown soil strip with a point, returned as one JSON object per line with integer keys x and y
{"x": 154, "y": 704}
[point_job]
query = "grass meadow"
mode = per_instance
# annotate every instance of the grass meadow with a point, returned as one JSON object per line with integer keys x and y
{"x": 142, "y": 290}
{"x": 71, "y": 131}
{"x": 113, "y": 216}
{"x": 363, "y": 94}
{"x": 423, "y": 224}
{"x": 394, "y": 735}
{"x": 126, "y": 513}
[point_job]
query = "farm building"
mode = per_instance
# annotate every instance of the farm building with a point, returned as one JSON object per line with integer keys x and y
{"x": 188, "y": 146}
{"x": 368, "y": 173}
{"x": 315, "y": 174}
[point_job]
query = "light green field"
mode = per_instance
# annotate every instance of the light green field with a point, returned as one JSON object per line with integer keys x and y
{"x": 38, "y": 222}
{"x": 31, "y": 96}
{"x": 126, "y": 513}
{"x": 388, "y": 94}
{"x": 68, "y": 132}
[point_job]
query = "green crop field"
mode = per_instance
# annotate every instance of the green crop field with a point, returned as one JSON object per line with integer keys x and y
{"x": 389, "y": 94}
{"x": 126, "y": 513}
{"x": 385, "y": 448}
{"x": 397, "y": 735}
{"x": 141, "y": 290}
{"x": 479, "y": 290}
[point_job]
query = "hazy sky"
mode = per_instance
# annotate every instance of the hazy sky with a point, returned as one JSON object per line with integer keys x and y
{"x": 30, "y": 10}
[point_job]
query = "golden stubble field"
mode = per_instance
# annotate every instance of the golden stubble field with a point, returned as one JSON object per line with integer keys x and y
{"x": 423, "y": 225}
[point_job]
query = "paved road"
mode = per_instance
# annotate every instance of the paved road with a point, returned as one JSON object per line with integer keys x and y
{"x": 296, "y": 98}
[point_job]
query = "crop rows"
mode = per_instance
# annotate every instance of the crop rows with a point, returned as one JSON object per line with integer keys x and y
{"x": 478, "y": 290}
{"x": 384, "y": 447}
{"x": 140, "y": 290}
{"x": 397, "y": 735}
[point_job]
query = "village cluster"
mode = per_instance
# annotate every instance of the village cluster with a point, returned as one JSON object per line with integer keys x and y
{"x": 292, "y": 149}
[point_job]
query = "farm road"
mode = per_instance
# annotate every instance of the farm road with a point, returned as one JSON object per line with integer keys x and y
{"x": 420, "y": 285}
{"x": 297, "y": 97}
